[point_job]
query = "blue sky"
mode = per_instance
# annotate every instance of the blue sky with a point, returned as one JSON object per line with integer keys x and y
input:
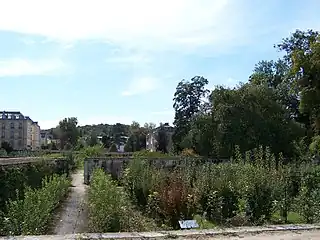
{"x": 120, "y": 61}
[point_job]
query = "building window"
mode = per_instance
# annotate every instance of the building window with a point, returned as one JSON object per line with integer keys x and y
{"x": 20, "y": 134}
{"x": 3, "y": 135}
{"x": 12, "y": 125}
{"x": 20, "y": 125}
{"x": 12, "y": 134}
{"x": 20, "y": 144}
{"x": 3, "y": 126}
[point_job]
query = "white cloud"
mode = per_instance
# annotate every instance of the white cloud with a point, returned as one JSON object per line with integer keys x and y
{"x": 143, "y": 24}
{"x": 141, "y": 85}
{"x": 16, "y": 67}
{"x": 28, "y": 41}
{"x": 231, "y": 82}
{"x": 129, "y": 59}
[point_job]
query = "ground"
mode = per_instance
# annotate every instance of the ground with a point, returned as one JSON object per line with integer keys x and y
{"x": 73, "y": 217}
{"x": 288, "y": 235}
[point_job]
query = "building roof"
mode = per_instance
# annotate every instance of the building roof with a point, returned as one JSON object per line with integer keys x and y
{"x": 14, "y": 115}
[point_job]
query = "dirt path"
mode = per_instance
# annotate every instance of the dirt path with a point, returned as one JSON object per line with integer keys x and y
{"x": 73, "y": 215}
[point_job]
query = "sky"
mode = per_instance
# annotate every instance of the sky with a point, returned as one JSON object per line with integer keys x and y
{"x": 106, "y": 61}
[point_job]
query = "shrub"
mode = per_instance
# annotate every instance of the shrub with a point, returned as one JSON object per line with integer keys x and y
{"x": 308, "y": 204}
{"x": 3, "y": 152}
{"x": 250, "y": 189}
{"x": 315, "y": 146}
{"x": 218, "y": 188}
{"x": 15, "y": 179}
{"x": 174, "y": 200}
{"x": 138, "y": 180}
{"x": 110, "y": 209}
{"x": 189, "y": 152}
{"x": 31, "y": 214}
{"x": 87, "y": 152}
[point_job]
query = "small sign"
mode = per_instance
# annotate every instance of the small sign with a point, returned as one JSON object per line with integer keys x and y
{"x": 188, "y": 224}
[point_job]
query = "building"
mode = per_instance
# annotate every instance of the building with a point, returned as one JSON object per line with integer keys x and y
{"x": 151, "y": 139}
{"x": 46, "y": 138}
{"x": 20, "y": 131}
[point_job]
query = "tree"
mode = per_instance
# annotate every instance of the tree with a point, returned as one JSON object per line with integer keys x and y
{"x": 7, "y": 147}
{"x": 149, "y": 126}
{"x": 137, "y": 139}
{"x": 113, "y": 148}
{"x": 68, "y": 132}
{"x": 302, "y": 50}
{"x": 93, "y": 140}
{"x": 251, "y": 116}
{"x": 162, "y": 139}
{"x": 107, "y": 141}
{"x": 187, "y": 103}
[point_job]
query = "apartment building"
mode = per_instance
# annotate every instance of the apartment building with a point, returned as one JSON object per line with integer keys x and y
{"x": 20, "y": 131}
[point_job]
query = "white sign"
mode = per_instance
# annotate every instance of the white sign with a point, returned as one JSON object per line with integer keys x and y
{"x": 188, "y": 224}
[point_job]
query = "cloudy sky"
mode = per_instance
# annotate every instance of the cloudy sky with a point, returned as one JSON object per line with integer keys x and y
{"x": 118, "y": 61}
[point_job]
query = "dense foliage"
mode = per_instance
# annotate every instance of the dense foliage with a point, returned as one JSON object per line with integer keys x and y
{"x": 277, "y": 107}
{"x": 30, "y": 215}
{"x": 109, "y": 208}
{"x": 254, "y": 188}
{"x": 18, "y": 182}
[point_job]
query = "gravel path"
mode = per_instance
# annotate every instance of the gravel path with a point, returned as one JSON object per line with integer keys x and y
{"x": 73, "y": 215}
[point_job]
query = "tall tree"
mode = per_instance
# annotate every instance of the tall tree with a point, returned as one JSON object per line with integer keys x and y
{"x": 162, "y": 139}
{"x": 68, "y": 132}
{"x": 302, "y": 50}
{"x": 187, "y": 103}
{"x": 137, "y": 139}
{"x": 276, "y": 75}
{"x": 93, "y": 140}
{"x": 251, "y": 116}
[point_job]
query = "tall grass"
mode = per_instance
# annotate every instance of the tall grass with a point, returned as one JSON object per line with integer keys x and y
{"x": 110, "y": 209}
{"x": 31, "y": 214}
{"x": 249, "y": 190}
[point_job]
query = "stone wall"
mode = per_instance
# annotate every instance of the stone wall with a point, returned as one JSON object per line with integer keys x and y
{"x": 115, "y": 166}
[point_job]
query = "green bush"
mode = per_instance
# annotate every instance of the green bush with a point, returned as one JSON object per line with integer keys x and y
{"x": 138, "y": 180}
{"x": 250, "y": 189}
{"x": 15, "y": 179}
{"x": 3, "y": 152}
{"x": 87, "y": 152}
{"x": 308, "y": 201}
{"x": 315, "y": 146}
{"x": 30, "y": 215}
{"x": 109, "y": 208}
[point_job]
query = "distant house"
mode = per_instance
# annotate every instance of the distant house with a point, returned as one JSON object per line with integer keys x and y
{"x": 45, "y": 137}
{"x": 151, "y": 139}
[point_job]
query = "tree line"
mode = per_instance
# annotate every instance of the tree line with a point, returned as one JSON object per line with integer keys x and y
{"x": 278, "y": 107}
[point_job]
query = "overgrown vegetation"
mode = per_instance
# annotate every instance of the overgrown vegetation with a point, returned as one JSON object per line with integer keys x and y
{"x": 26, "y": 188}
{"x": 250, "y": 190}
{"x": 31, "y": 214}
{"x": 110, "y": 209}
